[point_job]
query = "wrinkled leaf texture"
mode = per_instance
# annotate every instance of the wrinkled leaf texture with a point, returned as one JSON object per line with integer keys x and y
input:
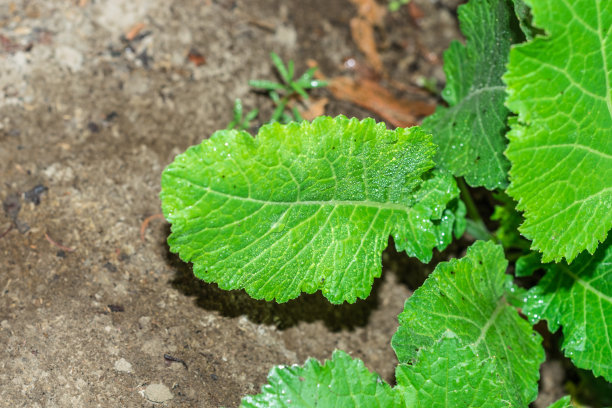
{"x": 561, "y": 145}
{"x": 308, "y": 206}
{"x": 471, "y": 130}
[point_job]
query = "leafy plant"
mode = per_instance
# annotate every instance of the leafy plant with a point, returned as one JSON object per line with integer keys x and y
{"x": 241, "y": 121}
{"x": 283, "y": 92}
{"x": 309, "y": 206}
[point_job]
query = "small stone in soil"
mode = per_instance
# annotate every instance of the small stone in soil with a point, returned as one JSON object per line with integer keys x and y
{"x": 157, "y": 393}
{"x": 123, "y": 366}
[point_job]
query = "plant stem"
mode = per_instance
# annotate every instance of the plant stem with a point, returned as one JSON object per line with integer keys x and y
{"x": 478, "y": 230}
{"x": 476, "y": 226}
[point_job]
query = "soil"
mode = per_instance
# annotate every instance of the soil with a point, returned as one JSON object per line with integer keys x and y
{"x": 91, "y": 315}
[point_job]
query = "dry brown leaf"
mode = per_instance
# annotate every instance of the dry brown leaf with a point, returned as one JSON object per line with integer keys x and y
{"x": 371, "y": 11}
{"x": 370, "y": 14}
{"x": 315, "y": 108}
{"x": 375, "y": 98}
{"x": 415, "y": 11}
{"x": 363, "y": 35}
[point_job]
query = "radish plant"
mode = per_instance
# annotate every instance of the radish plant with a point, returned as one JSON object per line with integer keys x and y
{"x": 306, "y": 207}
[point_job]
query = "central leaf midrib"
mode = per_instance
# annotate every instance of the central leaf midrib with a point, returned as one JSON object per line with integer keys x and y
{"x": 363, "y": 203}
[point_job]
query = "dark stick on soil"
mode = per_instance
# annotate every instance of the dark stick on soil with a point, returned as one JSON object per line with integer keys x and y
{"x": 170, "y": 358}
{"x": 7, "y": 231}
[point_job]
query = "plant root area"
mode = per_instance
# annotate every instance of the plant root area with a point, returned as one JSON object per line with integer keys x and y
{"x": 96, "y": 98}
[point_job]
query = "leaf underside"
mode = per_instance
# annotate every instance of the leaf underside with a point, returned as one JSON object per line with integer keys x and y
{"x": 578, "y": 297}
{"x": 307, "y": 207}
{"x": 471, "y": 131}
{"x": 561, "y": 146}
{"x": 466, "y": 298}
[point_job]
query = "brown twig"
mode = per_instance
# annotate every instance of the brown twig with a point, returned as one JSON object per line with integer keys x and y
{"x": 60, "y": 246}
{"x": 170, "y": 359}
{"x": 145, "y": 224}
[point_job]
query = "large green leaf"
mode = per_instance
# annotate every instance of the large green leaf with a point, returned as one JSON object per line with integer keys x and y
{"x": 307, "y": 207}
{"x": 561, "y": 146}
{"x": 471, "y": 131}
{"x": 466, "y": 297}
{"x": 578, "y": 297}
{"x": 341, "y": 382}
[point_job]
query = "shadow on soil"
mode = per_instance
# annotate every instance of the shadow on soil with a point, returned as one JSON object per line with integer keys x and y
{"x": 307, "y": 307}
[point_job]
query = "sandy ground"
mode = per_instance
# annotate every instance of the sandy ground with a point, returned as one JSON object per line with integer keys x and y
{"x": 90, "y": 314}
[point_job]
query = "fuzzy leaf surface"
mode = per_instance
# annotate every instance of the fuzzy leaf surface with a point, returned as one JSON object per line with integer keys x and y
{"x": 578, "y": 297}
{"x": 561, "y": 146}
{"x": 340, "y": 382}
{"x": 471, "y": 131}
{"x": 466, "y": 297}
{"x": 306, "y": 207}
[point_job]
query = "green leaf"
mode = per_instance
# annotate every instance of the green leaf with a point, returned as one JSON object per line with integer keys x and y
{"x": 450, "y": 374}
{"x": 526, "y": 265}
{"x": 565, "y": 402}
{"x": 466, "y": 297}
{"x": 305, "y": 207}
{"x": 509, "y": 220}
{"x": 523, "y": 16}
{"x": 280, "y": 67}
{"x": 298, "y": 89}
{"x": 341, "y": 382}
{"x": 579, "y": 298}
{"x": 459, "y": 211}
{"x": 470, "y": 132}
{"x": 265, "y": 84}
{"x": 290, "y": 70}
{"x": 560, "y": 147}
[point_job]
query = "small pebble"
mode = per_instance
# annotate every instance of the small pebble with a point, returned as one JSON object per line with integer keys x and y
{"x": 122, "y": 365}
{"x": 158, "y": 393}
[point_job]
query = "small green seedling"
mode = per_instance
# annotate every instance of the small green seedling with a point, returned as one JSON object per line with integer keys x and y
{"x": 289, "y": 88}
{"x": 395, "y": 5}
{"x": 241, "y": 121}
